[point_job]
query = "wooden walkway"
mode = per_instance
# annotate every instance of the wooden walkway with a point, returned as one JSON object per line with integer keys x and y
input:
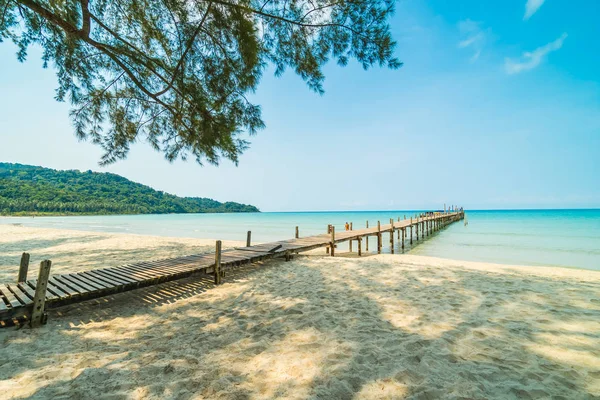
{"x": 17, "y": 299}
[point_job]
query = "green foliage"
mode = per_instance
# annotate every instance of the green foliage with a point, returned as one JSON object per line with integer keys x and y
{"x": 177, "y": 72}
{"x": 26, "y": 190}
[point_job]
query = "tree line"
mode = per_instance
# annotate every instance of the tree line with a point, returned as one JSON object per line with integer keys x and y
{"x": 31, "y": 190}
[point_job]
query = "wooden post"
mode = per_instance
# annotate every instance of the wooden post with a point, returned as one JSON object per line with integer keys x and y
{"x": 378, "y": 237}
{"x": 392, "y": 236}
{"x": 360, "y": 246}
{"x": 411, "y": 230}
{"x": 328, "y": 232}
{"x": 350, "y": 243}
{"x": 297, "y": 233}
{"x": 218, "y": 262}
{"x": 38, "y": 315}
{"x": 399, "y": 230}
{"x": 332, "y": 244}
{"x": 417, "y": 229}
{"x": 367, "y": 239}
{"x": 23, "y": 268}
{"x": 403, "y": 235}
{"x": 248, "y": 239}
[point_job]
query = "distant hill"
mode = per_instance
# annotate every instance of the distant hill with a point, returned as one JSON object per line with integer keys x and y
{"x": 31, "y": 190}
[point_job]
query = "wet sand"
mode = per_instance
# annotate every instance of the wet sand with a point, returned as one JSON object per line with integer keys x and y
{"x": 387, "y": 326}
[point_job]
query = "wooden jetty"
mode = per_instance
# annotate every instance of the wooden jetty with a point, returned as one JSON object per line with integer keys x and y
{"x": 28, "y": 299}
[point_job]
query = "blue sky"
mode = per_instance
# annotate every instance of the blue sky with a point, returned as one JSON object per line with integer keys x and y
{"x": 497, "y": 106}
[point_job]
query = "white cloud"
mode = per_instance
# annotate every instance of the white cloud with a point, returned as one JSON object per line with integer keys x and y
{"x": 472, "y": 37}
{"x": 532, "y": 59}
{"x": 531, "y": 7}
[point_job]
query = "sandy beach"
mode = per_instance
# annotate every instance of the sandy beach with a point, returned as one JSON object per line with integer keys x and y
{"x": 378, "y": 327}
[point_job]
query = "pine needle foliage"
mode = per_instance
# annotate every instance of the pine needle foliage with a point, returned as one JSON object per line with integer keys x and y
{"x": 177, "y": 73}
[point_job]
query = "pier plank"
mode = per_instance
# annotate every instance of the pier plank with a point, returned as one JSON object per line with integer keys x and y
{"x": 12, "y": 300}
{"x": 65, "y": 287}
{"x": 52, "y": 288}
{"x": 20, "y": 294}
{"x": 76, "y": 283}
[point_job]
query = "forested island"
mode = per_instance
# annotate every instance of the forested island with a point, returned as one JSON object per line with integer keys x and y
{"x": 32, "y": 190}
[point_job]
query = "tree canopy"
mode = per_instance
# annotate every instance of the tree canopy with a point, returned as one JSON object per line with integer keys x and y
{"x": 177, "y": 73}
{"x": 27, "y": 190}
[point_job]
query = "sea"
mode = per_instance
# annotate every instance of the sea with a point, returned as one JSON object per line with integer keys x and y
{"x": 564, "y": 238}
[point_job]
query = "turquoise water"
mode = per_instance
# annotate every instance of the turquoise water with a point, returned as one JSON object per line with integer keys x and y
{"x": 568, "y": 238}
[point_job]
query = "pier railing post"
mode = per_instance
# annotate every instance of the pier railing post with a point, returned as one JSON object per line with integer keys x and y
{"x": 328, "y": 232}
{"x": 399, "y": 230}
{"x": 359, "y": 246}
{"x": 367, "y": 239}
{"x": 38, "y": 314}
{"x": 248, "y": 238}
{"x": 297, "y": 233}
{"x": 23, "y": 267}
{"x": 392, "y": 235}
{"x": 378, "y": 237}
{"x": 218, "y": 262}
{"x": 332, "y": 243}
{"x": 417, "y": 229}
{"x": 411, "y": 229}
{"x": 403, "y": 235}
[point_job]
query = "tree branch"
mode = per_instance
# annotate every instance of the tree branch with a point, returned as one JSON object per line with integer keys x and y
{"x": 187, "y": 49}
{"x": 85, "y": 16}
{"x": 289, "y": 21}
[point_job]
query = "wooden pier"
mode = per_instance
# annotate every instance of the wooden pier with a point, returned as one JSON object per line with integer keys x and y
{"x": 27, "y": 300}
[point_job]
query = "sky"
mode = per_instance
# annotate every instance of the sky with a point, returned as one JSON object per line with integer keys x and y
{"x": 497, "y": 106}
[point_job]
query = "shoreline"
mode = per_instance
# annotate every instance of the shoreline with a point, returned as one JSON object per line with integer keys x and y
{"x": 200, "y": 245}
{"x": 543, "y": 238}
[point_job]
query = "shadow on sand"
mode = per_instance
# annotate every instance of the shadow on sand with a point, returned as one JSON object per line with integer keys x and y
{"x": 319, "y": 328}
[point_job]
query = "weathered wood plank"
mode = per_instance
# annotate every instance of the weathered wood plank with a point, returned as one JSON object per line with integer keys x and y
{"x": 20, "y": 294}
{"x": 75, "y": 281}
{"x": 67, "y": 286}
{"x": 12, "y": 300}
{"x": 31, "y": 284}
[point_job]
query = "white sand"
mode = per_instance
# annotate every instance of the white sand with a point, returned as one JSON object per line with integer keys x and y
{"x": 388, "y": 326}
